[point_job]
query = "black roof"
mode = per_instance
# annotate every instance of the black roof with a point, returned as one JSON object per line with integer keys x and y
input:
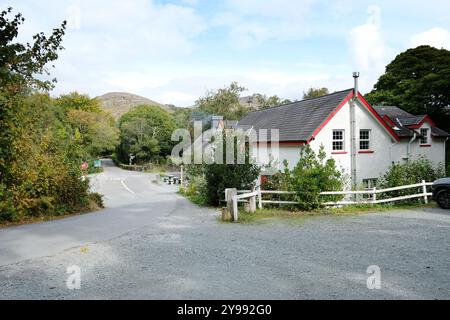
{"x": 402, "y": 119}
{"x": 296, "y": 121}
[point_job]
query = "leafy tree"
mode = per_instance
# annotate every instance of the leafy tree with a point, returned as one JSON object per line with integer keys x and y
{"x": 95, "y": 132}
{"x": 77, "y": 101}
{"x": 315, "y": 93}
{"x": 224, "y": 102}
{"x": 418, "y": 81}
{"x": 264, "y": 102}
{"x": 312, "y": 175}
{"x": 218, "y": 177}
{"x": 20, "y": 66}
{"x": 146, "y": 132}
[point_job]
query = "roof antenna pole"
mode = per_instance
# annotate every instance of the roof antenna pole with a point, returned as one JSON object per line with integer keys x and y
{"x": 353, "y": 130}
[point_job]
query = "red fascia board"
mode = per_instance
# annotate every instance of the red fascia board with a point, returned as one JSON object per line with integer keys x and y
{"x": 389, "y": 120}
{"x": 332, "y": 114}
{"x": 366, "y": 104}
{"x": 366, "y": 151}
{"x": 425, "y": 119}
{"x": 377, "y": 116}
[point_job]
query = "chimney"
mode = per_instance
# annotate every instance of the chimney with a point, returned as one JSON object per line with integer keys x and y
{"x": 215, "y": 120}
{"x": 356, "y": 88}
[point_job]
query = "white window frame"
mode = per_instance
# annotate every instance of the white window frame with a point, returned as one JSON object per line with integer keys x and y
{"x": 369, "y": 147}
{"x": 338, "y": 140}
{"x": 426, "y": 137}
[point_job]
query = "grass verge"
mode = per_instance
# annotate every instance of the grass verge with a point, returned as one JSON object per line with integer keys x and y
{"x": 299, "y": 216}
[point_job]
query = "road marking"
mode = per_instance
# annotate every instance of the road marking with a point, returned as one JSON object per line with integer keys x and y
{"x": 126, "y": 187}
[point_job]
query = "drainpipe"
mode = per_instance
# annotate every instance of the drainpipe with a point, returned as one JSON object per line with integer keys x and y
{"x": 408, "y": 147}
{"x": 353, "y": 130}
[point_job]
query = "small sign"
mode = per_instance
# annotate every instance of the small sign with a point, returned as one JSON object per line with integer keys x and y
{"x": 97, "y": 163}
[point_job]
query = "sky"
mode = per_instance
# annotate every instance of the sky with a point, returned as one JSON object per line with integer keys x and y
{"x": 175, "y": 51}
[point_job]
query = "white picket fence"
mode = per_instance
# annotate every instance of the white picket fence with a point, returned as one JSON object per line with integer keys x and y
{"x": 241, "y": 195}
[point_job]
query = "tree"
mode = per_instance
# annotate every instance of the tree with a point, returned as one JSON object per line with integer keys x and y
{"x": 224, "y": 102}
{"x": 263, "y": 102}
{"x": 21, "y": 70}
{"x": 146, "y": 132}
{"x": 418, "y": 81}
{"x": 312, "y": 175}
{"x": 315, "y": 93}
{"x": 77, "y": 101}
{"x": 218, "y": 177}
{"x": 95, "y": 132}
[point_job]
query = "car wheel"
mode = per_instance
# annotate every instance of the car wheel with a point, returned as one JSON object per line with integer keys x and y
{"x": 443, "y": 199}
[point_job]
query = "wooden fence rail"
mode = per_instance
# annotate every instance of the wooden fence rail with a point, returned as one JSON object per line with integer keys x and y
{"x": 255, "y": 196}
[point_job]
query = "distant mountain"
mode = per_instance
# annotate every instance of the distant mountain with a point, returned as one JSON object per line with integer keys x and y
{"x": 119, "y": 103}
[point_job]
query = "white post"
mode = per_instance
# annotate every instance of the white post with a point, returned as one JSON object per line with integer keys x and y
{"x": 374, "y": 195}
{"x": 424, "y": 188}
{"x": 235, "y": 208}
{"x": 181, "y": 175}
{"x": 259, "y": 198}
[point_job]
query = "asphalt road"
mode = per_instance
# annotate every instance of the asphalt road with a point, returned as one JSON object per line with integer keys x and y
{"x": 151, "y": 243}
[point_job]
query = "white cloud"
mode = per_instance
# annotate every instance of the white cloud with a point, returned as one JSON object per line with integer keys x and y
{"x": 251, "y": 22}
{"x": 435, "y": 37}
{"x": 368, "y": 48}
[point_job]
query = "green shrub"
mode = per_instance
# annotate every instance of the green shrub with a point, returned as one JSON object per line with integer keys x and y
{"x": 97, "y": 198}
{"x": 42, "y": 207}
{"x": 312, "y": 175}
{"x": 411, "y": 172}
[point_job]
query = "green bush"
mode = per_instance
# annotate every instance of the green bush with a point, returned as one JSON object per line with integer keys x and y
{"x": 312, "y": 175}
{"x": 411, "y": 172}
{"x": 97, "y": 198}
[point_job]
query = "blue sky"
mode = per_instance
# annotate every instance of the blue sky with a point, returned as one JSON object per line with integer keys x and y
{"x": 174, "y": 51}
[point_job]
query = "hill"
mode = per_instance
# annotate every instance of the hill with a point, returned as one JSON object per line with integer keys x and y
{"x": 119, "y": 103}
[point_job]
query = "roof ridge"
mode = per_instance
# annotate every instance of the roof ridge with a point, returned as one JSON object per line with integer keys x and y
{"x": 309, "y": 99}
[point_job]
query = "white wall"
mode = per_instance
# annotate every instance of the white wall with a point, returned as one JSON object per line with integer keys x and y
{"x": 386, "y": 149}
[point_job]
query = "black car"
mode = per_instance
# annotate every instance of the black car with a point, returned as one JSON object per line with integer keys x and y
{"x": 441, "y": 192}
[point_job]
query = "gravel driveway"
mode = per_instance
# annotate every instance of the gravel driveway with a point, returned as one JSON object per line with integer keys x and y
{"x": 153, "y": 244}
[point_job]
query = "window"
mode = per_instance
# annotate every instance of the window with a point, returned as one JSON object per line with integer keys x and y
{"x": 424, "y": 136}
{"x": 364, "y": 139}
{"x": 338, "y": 140}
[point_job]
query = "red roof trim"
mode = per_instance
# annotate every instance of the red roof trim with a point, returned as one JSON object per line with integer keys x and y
{"x": 366, "y": 104}
{"x": 372, "y": 110}
{"x": 389, "y": 120}
{"x": 332, "y": 114}
{"x": 427, "y": 119}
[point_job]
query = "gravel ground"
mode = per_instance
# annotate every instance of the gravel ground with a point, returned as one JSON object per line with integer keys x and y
{"x": 195, "y": 257}
{"x": 186, "y": 253}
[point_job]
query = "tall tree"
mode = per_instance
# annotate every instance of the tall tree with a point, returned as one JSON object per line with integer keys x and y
{"x": 418, "y": 81}
{"x": 146, "y": 132}
{"x": 21, "y": 70}
{"x": 262, "y": 101}
{"x": 224, "y": 102}
{"x": 315, "y": 92}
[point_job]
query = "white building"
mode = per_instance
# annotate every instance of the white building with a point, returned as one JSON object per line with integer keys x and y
{"x": 365, "y": 150}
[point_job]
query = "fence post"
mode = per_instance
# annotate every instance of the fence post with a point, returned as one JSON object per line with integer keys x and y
{"x": 424, "y": 188}
{"x": 259, "y": 198}
{"x": 230, "y": 195}
{"x": 374, "y": 195}
{"x": 252, "y": 203}
{"x": 235, "y": 208}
